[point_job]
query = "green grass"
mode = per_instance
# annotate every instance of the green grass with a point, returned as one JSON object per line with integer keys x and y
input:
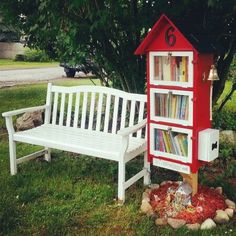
{"x": 74, "y": 194}
{"x": 7, "y": 64}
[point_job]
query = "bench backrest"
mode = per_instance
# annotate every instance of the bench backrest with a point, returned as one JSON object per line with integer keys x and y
{"x": 94, "y": 107}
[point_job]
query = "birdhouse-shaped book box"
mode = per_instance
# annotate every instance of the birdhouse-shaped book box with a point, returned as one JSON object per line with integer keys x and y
{"x": 179, "y": 99}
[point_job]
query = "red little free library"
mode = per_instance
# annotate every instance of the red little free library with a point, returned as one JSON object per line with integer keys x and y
{"x": 179, "y": 92}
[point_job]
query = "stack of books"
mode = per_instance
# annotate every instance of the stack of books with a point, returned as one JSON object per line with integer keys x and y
{"x": 171, "y": 68}
{"x": 172, "y": 106}
{"x": 171, "y": 142}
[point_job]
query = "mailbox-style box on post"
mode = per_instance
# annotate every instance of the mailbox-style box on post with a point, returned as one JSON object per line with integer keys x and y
{"x": 179, "y": 99}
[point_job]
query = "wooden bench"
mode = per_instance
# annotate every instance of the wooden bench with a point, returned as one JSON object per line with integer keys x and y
{"x": 90, "y": 120}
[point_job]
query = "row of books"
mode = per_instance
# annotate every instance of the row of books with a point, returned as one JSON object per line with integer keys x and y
{"x": 171, "y": 142}
{"x": 171, "y": 68}
{"x": 172, "y": 106}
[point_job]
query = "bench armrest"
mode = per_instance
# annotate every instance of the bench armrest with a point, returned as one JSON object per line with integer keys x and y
{"x": 20, "y": 111}
{"x": 130, "y": 130}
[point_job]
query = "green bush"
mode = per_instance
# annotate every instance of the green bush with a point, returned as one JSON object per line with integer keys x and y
{"x": 225, "y": 120}
{"x": 19, "y": 57}
{"x": 33, "y": 55}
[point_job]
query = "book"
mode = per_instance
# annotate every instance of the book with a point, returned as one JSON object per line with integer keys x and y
{"x": 161, "y": 141}
{"x": 156, "y": 68}
{"x": 166, "y": 142}
{"x": 177, "y": 145}
{"x": 166, "y": 69}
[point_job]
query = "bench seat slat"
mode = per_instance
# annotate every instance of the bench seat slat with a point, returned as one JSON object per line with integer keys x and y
{"x": 94, "y": 143}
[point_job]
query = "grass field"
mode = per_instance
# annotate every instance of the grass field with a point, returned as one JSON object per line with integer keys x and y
{"x": 74, "y": 194}
{"x": 7, "y": 64}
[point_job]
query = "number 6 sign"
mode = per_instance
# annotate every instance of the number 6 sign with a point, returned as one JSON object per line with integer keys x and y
{"x": 170, "y": 37}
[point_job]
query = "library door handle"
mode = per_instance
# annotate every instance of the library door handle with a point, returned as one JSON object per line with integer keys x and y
{"x": 214, "y": 146}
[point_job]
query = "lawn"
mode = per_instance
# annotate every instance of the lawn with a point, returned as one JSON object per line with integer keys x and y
{"x": 8, "y": 64}
{"x": 74, "y": 194}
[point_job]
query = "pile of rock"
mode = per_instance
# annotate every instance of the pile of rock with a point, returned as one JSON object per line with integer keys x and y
{"x": 221, "y": 216}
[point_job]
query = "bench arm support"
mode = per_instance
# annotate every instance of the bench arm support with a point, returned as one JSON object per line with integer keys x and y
{"x": 130, "y": 130}
{"x": 23, "y": 110}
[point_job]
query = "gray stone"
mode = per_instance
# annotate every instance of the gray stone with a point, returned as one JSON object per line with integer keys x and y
{"x": 221, "y": 217}
{"x": 154, "y": 186}
{"x": 29, "y": 120}
{"x": 163, "y": 183}
{"x": 145, "y": 196}
{"x": 195, "y": 226}
{"x": 208, "y": 224}
{"x": 160, "y": 221}
{"x": 176, "y": 223}
{"x": 230, "y": 212}
{"x": 148, "y": 190}
{"x": 219, "y": 190}
{"x": 146, "y": 208}
{"x": 230, "y": 204}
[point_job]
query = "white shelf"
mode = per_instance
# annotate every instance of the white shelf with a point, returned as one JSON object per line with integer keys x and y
{"x": 168, "y": 155}
{"x": 165, "y": 77}
{"x": 168, "y": 118}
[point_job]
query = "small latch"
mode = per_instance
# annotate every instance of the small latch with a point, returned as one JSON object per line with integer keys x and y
{"x": 214, "y": 146}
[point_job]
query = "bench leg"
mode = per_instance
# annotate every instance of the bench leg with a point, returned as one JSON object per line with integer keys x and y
{"x": 47, "y": 155}
{"x": 146, "y": 178}
{"x": 121, "y": 182}
{"x": 12, "y": 151}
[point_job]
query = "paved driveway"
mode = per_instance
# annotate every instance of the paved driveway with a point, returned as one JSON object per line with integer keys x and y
{"x": 24, "y": 76}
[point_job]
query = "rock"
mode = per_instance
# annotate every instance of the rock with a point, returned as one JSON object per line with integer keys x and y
{"x": 29, "y": 120}
{"x": 208, "y": 224}
{"x": 146, "y": 208}
{"x": 176, "y": 223}
{"x": 146, "y": 200}
{"x": 154, "y": 186}
{"x": 230, "y": 204}
{"x": 145, "y": 196}
{"x": 219, "y": 190}
{"x": 230, "y": 212}
{"x": 160, "y": 221}
{"x": 195, "y": 226}
{"x": 228, "y": 135}
{"x": 163, "y": 183}
{"x": 221, "y": 217}
{"x": 148, "y": 191}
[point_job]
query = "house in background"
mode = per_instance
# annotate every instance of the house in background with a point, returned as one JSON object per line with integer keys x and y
{"x": 10, "y": 41}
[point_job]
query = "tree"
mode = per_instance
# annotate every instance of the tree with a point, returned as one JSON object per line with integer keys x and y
{"x": 109, "y": 31}
{"x": 8, "y": 33}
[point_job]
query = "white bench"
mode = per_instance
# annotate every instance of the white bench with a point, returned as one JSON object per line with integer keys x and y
{"x": 91, "y": 120}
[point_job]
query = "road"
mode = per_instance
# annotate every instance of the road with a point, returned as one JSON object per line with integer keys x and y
{"x": 25, "y": 76}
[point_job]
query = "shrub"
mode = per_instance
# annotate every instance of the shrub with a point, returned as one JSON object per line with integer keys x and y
{"x": 19, "y": 57}
{"x": 225, "y": 120}
{"x": 33, "y": 55}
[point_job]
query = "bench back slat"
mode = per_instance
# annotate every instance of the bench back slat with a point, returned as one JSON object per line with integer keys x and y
{"x": 96, "y": 108}
{"x": 54, "y": 113}
{"x": 61, "y": 117}
{"x": 84, "y": 110}
{"x": 123, "y": 113}
{"x": 140, "y": 116}
{"x": 99, "y": 112}
{"x": 91, "y": 112}
{"x": 76, "y": 110}
{"x": 107, "y": 113}
{"x": 69, "y": 108}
